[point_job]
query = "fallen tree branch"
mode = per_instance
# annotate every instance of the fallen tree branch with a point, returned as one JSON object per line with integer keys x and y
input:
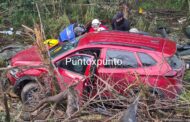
{"x": 52, "y": 111}
{"x": 5, "y": 100}
{"x": 52, "y": 99}
{"x": 28, "y": 29}
{"x": 68, "y": 93}
{"x": 8, "y": 48}
{"x": 7, "y": 111}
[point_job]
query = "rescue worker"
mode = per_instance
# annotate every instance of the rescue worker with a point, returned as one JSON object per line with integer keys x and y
{"x": 120, "y": 23}
{"x": 71, "y": 32}
{"x": 97, "y": 26}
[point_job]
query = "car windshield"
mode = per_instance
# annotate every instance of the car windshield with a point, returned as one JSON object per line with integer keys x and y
{"x": 175, "y": 62}
{"x": 62, "y": 48}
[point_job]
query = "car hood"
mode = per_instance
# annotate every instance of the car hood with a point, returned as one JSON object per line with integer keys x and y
{"x": 29, "y": 56}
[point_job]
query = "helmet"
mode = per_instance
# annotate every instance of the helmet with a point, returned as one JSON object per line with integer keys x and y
{"x": 95, "y": 23}
{"x": 134, "y": 30}
{"x": 51, "y": 42}
{"x": 79, "y": 30}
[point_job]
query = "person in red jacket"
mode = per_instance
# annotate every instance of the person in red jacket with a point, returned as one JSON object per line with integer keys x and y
{"x": 97, "y": 26}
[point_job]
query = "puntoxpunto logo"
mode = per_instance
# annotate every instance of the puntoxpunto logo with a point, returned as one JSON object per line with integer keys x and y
{"x": 113, "y": 62}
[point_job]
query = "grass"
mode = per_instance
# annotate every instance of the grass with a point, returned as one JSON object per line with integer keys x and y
{"x": 186, "y": 94}
{"x": 2, "y": 116}
{"x": 58, "y": 14}
{"x": 168, "y": 4}
{"x": 187, "y": 76}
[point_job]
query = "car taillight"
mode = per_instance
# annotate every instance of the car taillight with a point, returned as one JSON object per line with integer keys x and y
{"x": 171, "y": 73}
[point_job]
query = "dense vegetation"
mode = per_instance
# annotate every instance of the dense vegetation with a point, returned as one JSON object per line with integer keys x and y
{"x": 56, "y": 14}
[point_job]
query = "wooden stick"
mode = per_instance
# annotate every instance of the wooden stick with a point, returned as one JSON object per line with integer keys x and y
{"x": 41, "y": 25}
{"x": 27, "y": 28}
{"x": 5, "y": 100}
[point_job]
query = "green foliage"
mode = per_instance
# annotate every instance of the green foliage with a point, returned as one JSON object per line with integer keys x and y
{"x": 163, "y": 4}
{"x": 53, "y": 25}
{"x": 90, "y": 14}
{"x": 56, "y": 14}
{"x": 186, "y": 95}
{"x": 187, "y": 76}
{"x": 2, "y": 116}
{"x": 142, "y": 24}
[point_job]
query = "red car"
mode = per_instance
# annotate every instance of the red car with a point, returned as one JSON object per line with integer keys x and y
{"x": 119, "y": 56}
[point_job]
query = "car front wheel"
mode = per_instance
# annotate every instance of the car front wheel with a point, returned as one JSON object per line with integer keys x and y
{"x": 30, "y": 94}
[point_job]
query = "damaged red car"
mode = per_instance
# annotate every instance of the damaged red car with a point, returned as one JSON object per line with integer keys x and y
{"x": 119, "y": 56}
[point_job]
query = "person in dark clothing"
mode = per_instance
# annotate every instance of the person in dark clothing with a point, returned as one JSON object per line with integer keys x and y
{"x": 120, "y": 23}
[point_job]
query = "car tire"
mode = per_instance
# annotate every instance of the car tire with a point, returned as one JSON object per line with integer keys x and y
{"x": 27, "y": 91}
{"x": 31, "y": 95}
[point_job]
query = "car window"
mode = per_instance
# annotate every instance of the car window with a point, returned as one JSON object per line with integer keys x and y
{"x": 120, "y": 59}
{"x": 146, "y": 59}
{"x": 75, "y": 64}
{"x": 175, "y": 62}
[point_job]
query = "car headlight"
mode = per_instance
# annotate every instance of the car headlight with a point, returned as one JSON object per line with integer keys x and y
{"x": 14, "y": 71}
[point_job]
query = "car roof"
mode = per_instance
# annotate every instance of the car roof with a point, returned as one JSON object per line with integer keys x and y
{"x": 127, "y": 39}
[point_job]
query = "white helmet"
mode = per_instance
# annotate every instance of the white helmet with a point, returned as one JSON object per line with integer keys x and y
{"x": 134, "y": 30}
{"x": 96, "y": 22}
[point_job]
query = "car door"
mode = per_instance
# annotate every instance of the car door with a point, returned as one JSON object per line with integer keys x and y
{"x": 74, "y": 68}
{"x": 119, "y": 69}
